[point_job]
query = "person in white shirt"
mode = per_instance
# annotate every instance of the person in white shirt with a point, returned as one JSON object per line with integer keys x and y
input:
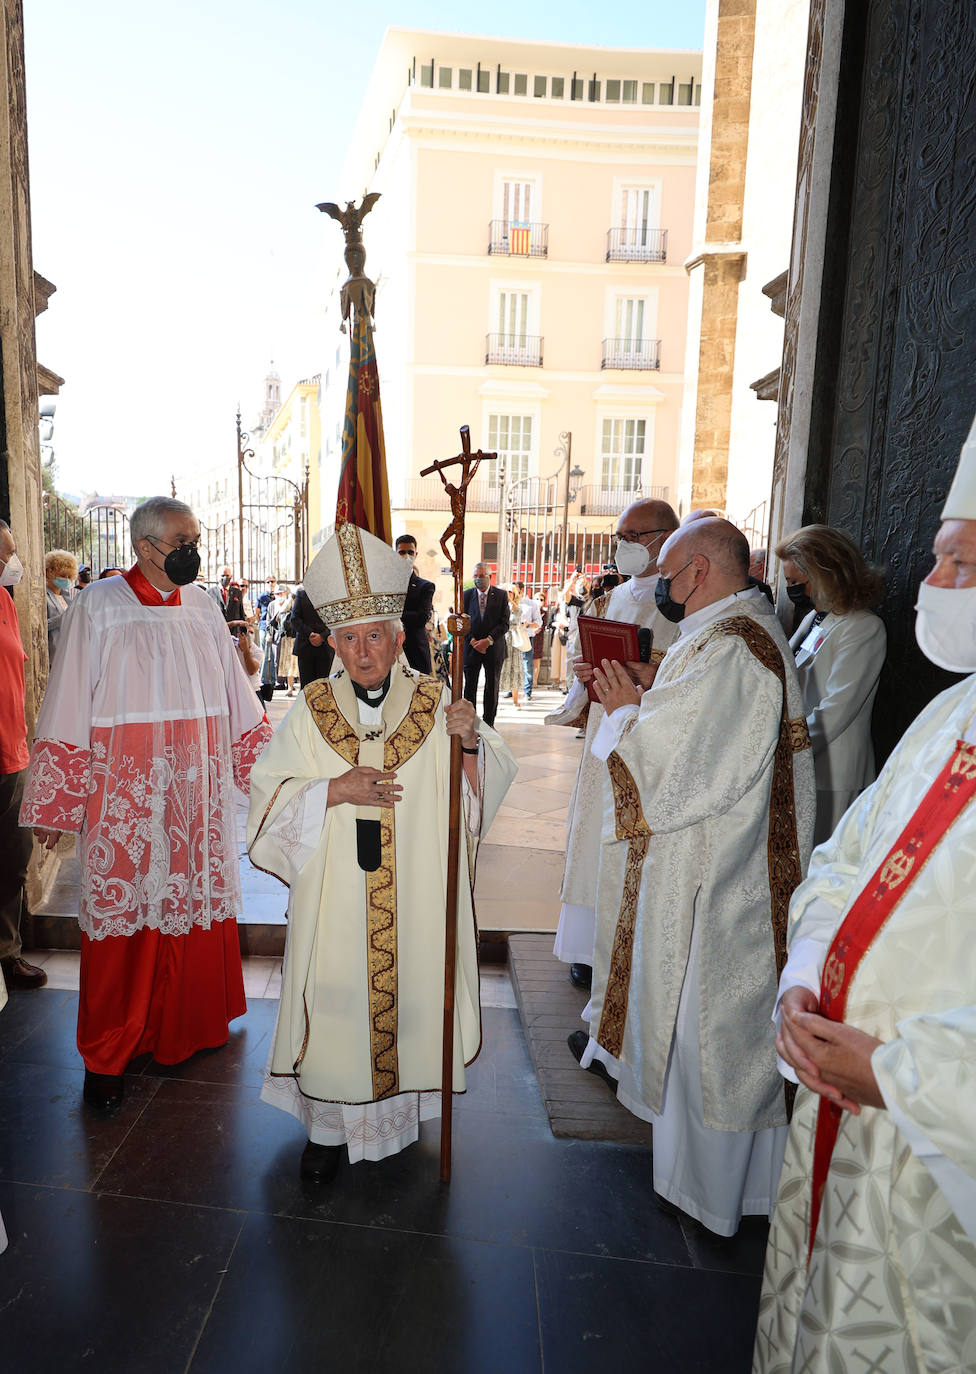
{"x": 840, "y": 650}
{"x": 531, "y": 622}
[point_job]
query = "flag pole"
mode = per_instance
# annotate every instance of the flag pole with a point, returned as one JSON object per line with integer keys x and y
{"x": 458, "y": 624}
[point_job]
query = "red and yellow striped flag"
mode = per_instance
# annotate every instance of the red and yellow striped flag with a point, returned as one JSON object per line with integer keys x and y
{"x": 364, "y": 494}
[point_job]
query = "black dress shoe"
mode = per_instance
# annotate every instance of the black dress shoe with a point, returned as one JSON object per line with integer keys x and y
{"x": 103, "y": 1092}
{"x": 578, "y": 1042}
{"x": 18, "y": 973}
{"x": 320, "y": 1163}
{"x": 581, "y": 976}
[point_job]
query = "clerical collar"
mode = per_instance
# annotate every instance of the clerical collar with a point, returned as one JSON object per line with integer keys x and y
{"x": 373, "y": 696}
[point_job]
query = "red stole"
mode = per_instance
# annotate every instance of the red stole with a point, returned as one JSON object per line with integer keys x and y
{"x": 145, "y": 590}
{"x": 942, "y": 803}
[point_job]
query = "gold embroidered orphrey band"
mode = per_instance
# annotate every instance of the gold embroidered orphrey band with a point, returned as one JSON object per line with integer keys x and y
{"x": 783, "y": 849}
{"x": 381, "y": 908}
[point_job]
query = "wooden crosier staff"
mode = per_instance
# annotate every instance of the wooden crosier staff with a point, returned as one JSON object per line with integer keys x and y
{"x": 458, "y": 624}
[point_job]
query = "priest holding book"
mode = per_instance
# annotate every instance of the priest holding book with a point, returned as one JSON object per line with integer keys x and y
{"x": 641, "y": 530}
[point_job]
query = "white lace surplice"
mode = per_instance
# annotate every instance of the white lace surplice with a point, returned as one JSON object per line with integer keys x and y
{"x": 147, "y": 721}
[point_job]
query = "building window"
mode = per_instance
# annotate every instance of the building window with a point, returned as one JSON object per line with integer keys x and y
{"x": 666, "y": 93}
{"x": 594, "y": 90}
{"x": 502, "y": 83}
{"x": 629, "y": 94}
{"x": 629, "y": 323}
{"x": 684, "y": 93}
{"x": 445, "y": 77}
{"x": 513, "y": 317}
{"x": 517, "y": 202}
{"x": 521, "y": 83}
{"x": 558, "y": 87}
{"x": 577, "y": 88}
{"x": 427, "y": 74}
{"x": 464, "y": 78}
{"x": 484, "y": 79}
{"x": 613, "y": 92}
{"x": 539, "y": 86}
{"x": 510, "y": 436}
{"x": 640, "y": 237}
{"x": 647, "y": 93}
{"x": 623, "y": 455}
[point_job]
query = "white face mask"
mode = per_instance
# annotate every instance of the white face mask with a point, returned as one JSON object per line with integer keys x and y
{"x": 12, "y": 573}
{"x": 632, "y": 559}
{"x": 945, "y": 628}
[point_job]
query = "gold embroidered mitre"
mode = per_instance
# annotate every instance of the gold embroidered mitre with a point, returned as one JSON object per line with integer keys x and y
{"x": 355, "y": 578}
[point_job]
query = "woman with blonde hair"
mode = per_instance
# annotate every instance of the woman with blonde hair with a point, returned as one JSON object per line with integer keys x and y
{"x": 517, "y": 641}
{"x": 840, "y": 650}
{"x": 60, "y": 573}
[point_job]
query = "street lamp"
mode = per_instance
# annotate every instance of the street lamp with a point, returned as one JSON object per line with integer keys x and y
{"x": 565, "y": 451}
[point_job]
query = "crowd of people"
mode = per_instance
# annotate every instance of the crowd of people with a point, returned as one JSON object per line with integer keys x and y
{"x": 775, "y": 941}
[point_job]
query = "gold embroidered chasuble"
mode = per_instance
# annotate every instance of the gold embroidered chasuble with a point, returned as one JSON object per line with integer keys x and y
{"x": 362, "y": 989}
{"x": 702, "y": 831}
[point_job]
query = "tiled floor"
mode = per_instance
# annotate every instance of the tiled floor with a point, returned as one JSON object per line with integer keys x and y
{"x": 178, "y": 1236}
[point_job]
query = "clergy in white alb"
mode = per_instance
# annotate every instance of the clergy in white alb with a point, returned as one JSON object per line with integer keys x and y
{"x": 147, "y": 722}
{"x": 710, "y": 830}
{"x": 871, "y": 1260}
{"x": 349, "y": 807}
{"x": 641, "y": 530}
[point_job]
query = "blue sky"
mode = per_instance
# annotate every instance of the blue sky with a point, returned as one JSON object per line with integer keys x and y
{"x": 177, "y": 152}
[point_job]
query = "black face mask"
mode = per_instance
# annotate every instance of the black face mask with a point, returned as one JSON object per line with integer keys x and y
{"x": 798, "y": 595}
{"x": 671, "y": 610}
{"x": 181, "y": 564}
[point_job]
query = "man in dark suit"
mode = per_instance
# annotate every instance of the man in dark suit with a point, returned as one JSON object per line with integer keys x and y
{"x": 484, "y": 645}
{"x": 416, "y": 610}
{"x": 312, "y": 647}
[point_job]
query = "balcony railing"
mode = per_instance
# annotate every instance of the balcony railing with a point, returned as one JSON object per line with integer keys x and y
{"x": 637, "y": 245}
{"x": 639, "y": 355}
{"x": 518, "y": 238}
{"x": 612, "y": 500}
{"x": 427, "y": 493}
{"x": 514, "y": 350}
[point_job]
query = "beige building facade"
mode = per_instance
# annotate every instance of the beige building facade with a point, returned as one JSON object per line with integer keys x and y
{"x": 528, "y": 248}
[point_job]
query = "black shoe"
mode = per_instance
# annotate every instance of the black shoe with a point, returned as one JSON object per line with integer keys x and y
{"x": 578, "y": 1042}
{"x": 581, "y": 976}
{"x": 18, "y": 973}
{"x": 320, "y": 1163}
{"x": 103, "y": 1092}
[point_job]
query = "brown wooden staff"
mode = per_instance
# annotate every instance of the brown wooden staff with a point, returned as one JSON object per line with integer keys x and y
{"x": 458, "y": 624}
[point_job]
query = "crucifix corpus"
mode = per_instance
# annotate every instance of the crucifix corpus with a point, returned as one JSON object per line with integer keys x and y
{"x": 458, "y": 624}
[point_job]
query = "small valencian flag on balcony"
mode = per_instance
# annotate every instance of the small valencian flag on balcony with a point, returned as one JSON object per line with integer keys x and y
{"x": 364, "y": 495}
{"x": 519, "y": 237}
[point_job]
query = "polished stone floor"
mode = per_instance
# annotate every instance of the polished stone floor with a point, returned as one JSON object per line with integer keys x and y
{"x": 178, "y": 1236}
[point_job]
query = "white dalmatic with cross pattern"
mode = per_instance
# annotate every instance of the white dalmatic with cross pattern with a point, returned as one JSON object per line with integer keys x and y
{"x": 891, "y": 1287}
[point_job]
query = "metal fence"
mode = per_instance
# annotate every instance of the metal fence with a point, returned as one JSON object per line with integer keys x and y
{"x": 99, "y": 538}
{"x": 637, "y": 244}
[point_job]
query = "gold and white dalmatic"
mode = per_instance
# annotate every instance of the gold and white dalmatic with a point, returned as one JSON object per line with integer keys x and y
{"x": 713, "y": 815}
{"x": 634, "y": 603}
{"x": 361, "y": 1012}
{"x": 892, "y": 1280}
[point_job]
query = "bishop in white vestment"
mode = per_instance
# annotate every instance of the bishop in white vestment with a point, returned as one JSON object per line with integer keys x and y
{"x": 713, "y": 816}
{"x": 350, "y": 808}
{"x": 871, "y": 1262}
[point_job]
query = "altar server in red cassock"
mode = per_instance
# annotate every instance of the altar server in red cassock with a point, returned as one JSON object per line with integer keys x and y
{"x": 872, "y": 1253}
{"x": 147, "y": 724}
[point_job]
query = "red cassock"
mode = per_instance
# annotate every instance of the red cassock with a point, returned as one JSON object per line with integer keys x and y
{"x": 147, "y": 724}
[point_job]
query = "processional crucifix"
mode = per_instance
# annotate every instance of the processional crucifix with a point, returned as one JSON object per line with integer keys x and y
{"x": 458, "y": 624}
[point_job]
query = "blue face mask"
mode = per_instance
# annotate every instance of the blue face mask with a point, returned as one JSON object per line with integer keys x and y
{"x": 63, "y": 583}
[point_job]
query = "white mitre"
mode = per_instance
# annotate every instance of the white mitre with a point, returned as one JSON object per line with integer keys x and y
{"x": 355, "y": 578}
{"x": 961, "y": 502}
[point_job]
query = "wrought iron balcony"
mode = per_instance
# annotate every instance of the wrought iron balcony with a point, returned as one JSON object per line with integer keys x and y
{"x": 638, "y": 355}
{"x": 427, "y": 493}
{"x": 514, "y": 350}
{"x": 518, "y": 238}
{"x": 612, "y": 500}
{"x": 637, "y": 245}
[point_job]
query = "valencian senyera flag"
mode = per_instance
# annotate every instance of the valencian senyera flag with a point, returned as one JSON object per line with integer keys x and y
{"x": 364, "y": 495}
{"x": 519, "y": 237}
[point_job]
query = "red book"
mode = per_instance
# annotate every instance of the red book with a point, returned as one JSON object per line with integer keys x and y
{"x": 613, "y": 639}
